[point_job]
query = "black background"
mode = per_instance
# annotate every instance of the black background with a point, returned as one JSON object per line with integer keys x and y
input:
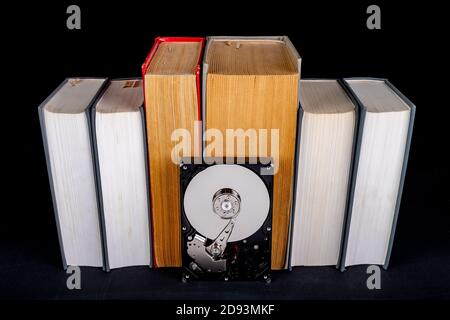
{"x": 39, "y": 52}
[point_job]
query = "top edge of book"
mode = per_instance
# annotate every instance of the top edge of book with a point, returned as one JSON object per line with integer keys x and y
{"x": 254, "y": 55}
{"x": 378, "y": 95}
{"x": 174, "y": 56}
{"x": 121, "y": 95}
{"x": 73, "y": 96}
{"x": 324, "y": 96}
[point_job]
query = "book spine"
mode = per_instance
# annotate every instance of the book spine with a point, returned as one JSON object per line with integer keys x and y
{"x": 147, "y": 180}
{"x": 49, "y": 170}
{"x": 90, "y": 116}
{"x": 361, "y": 113}
{"x": 356, "y": 139}
{"x": 404, "y": 168}
{"x": 294, "y": 195}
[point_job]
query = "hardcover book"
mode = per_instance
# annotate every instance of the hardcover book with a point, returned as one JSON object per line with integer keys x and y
{"x": 384, "y": 136}
{"x": 326, "y": 139}
{"x": 171, "y": 75}
{"x": 66, "y": 132}
{"x": 251, "y": 83}
{"x": 118, "y": 125}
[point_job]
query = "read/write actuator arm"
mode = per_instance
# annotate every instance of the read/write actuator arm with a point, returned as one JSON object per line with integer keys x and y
{"x": 226, "y": 204}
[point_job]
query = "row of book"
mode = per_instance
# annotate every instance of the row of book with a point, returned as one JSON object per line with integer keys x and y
{"x": 94, "y": 136}
{"x": 341, "y": 156}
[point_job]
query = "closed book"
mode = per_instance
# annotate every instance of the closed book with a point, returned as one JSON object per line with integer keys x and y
{"x": 325, "y": 144}
{"x": 118, "y": 125}
{"x": 171, "y": 75}
{"x": 250, "y": 87}
{"x": 66, "y": 132}
{"x": 381, "y": 156}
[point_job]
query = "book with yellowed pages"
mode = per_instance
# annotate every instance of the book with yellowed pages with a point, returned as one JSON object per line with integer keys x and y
{"x": 325, "y": 144}
{"x": 381, "y": 156}
{"x": 250, "y": 87}
{"x": 171, "y": 75}
{"x": 120, "y": 152}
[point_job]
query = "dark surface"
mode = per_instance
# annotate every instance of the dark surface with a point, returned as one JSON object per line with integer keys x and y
{"x": 333, "y": 41}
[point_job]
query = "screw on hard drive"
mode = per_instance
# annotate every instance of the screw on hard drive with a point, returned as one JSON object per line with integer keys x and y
{"x": 185, "y": 167}
{"x": 183, "y": 228}
{"x": 267, "y": 278}
{"x": 190, "y": 238}
{"x": 226, "y": 278}
{"x": 269, "y": 229}
{"x": 193, "y": 266}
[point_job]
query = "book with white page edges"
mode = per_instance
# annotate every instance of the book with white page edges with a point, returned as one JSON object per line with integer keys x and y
{"x": 381, "y": 156}
{"x": 66, "y": 132}
{"x": 326, "y": 129}
{"x": 118, "y": 125}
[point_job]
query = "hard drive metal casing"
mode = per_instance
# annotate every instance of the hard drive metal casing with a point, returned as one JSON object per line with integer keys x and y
{"x": 246, "y": 259}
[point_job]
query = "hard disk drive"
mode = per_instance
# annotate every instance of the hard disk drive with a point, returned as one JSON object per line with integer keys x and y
{"x": 226, "y": 216}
